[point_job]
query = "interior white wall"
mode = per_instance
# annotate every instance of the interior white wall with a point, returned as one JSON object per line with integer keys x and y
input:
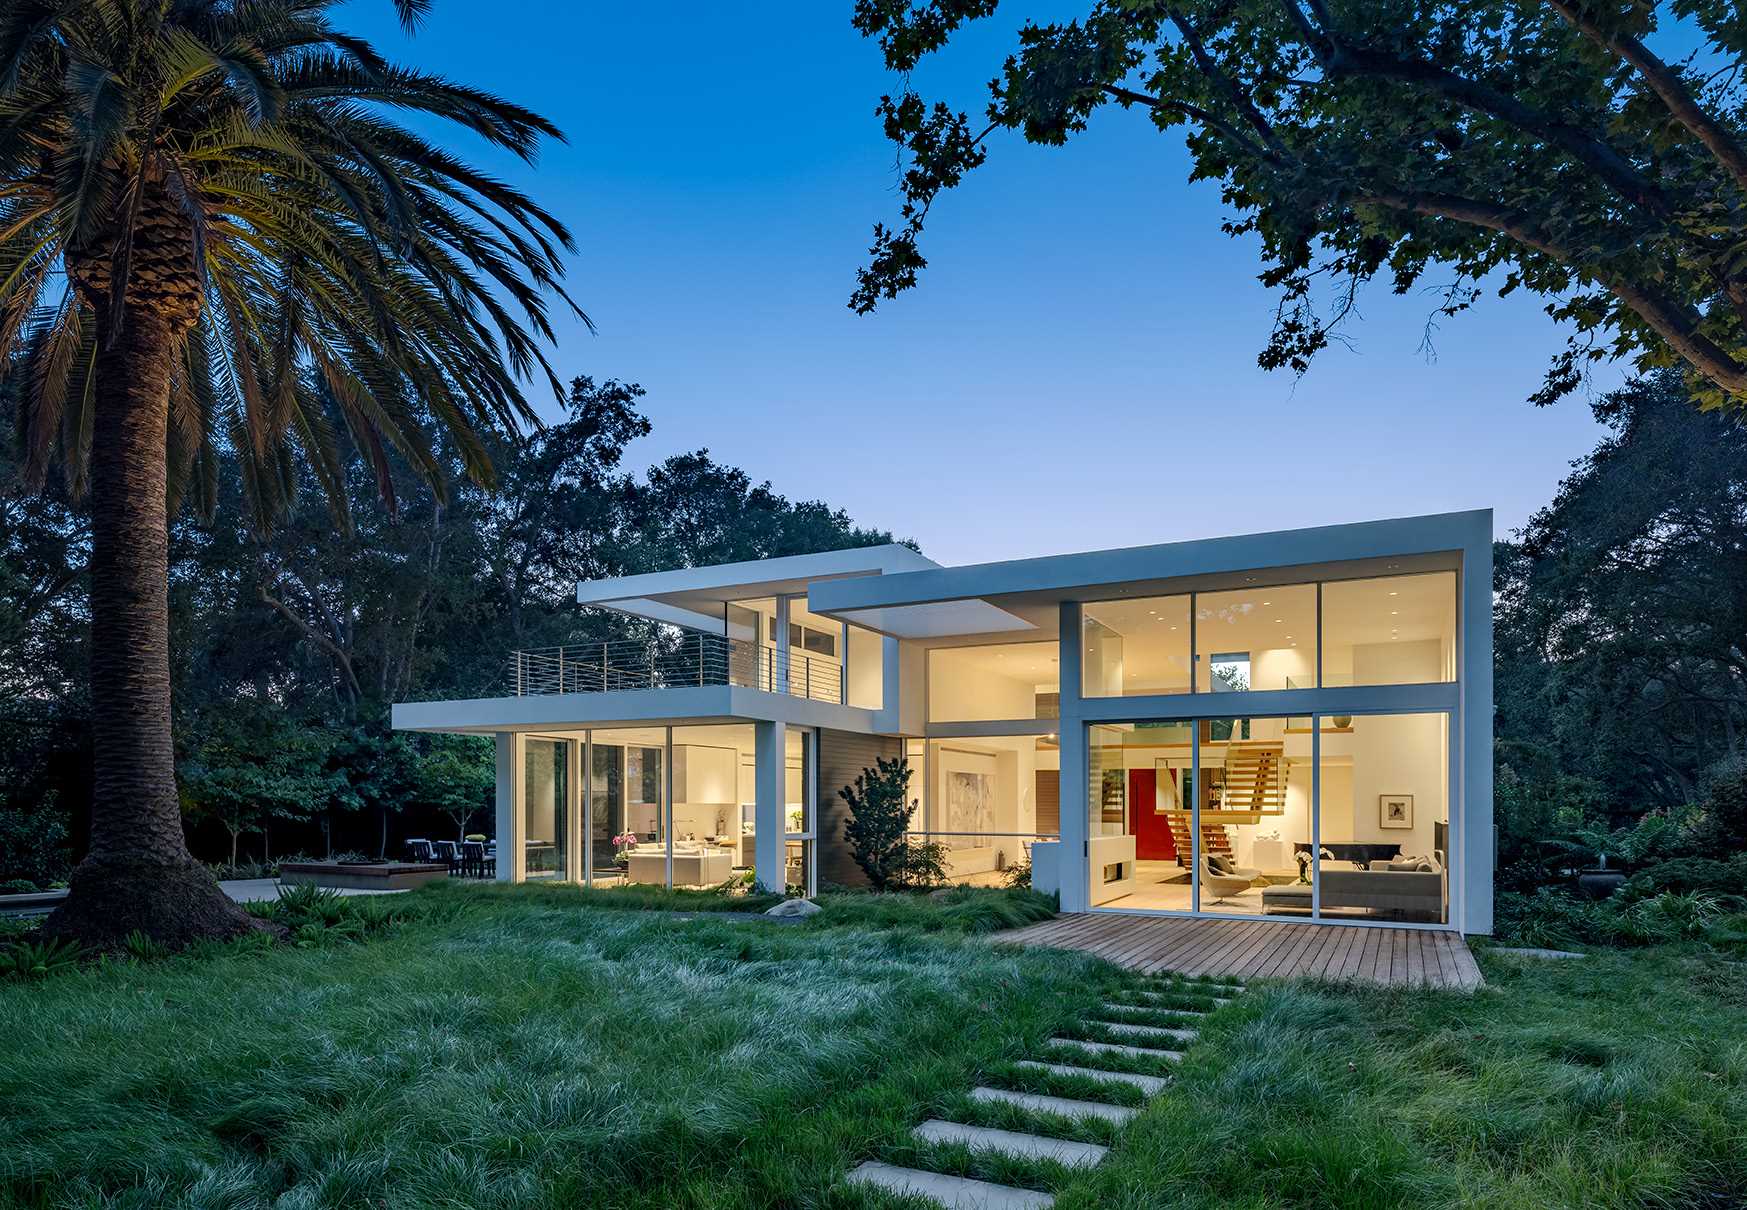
{"x": 963, "y": 687}
{"x": 1386, "y": 754}
{"x": 706, "y": 791}
{"x": 1403, "y": 663}
{"x": 1013, "y": 764}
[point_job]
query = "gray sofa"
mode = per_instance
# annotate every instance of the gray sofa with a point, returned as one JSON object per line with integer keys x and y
{"x": 1374, "y": 891}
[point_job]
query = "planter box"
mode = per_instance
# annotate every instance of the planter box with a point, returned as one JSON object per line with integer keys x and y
{"x": 385, "y": 876}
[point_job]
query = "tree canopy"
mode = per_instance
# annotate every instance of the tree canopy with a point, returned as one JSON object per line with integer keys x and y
{"x": 1621, "y": 618}
{"x": 1463, "y": 145}
{"x": 291, "y": 643}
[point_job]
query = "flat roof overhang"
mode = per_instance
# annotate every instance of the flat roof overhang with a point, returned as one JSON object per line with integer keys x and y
{"x": 675, "y": 707}
{"x": 928, "y": 604}
{"x": 694, "y": 596}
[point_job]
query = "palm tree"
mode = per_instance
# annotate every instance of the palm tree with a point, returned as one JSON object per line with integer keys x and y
{"x": 215, "y": 235}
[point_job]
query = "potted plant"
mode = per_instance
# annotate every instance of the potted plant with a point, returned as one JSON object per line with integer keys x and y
{"x": 622, "y": 845}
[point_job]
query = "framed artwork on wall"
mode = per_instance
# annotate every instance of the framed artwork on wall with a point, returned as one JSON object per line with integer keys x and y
{"x": 1395, "y": 810}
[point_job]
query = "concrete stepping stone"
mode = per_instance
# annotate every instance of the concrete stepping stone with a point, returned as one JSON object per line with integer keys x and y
{"x": 1150, "y": 1085}
{"x": 1159, "y": 1008}
{"x": 1215, "y": 990}
{"x": 1011, "y": 1143}
{"x": 1132, "y": 1030}
{"x": 1066, "y": 1107}
{"x": 953, "y": 1192}
{"x": 1117, "y": 1048}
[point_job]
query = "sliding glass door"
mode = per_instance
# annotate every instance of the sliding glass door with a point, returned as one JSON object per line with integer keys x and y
{"x": 1337, "y": 817}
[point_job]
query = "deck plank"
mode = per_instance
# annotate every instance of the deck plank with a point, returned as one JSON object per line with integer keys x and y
{"x": 1261, "y": 949}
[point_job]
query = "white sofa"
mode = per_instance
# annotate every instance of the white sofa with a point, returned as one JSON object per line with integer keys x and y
{"x": 694, "y": 863}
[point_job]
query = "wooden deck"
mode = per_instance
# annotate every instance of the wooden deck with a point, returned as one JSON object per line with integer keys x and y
{"x": 1254, "y": 949}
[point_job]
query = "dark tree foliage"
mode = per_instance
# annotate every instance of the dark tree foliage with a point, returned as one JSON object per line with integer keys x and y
{"x": 1621, "y": 619}
{"x": 291, "y": 644}
{"x": 1525, "y": 144}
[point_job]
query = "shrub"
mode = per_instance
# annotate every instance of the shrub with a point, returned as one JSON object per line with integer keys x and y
{"x": 1549, "y": 918}
{"x": 880, "y": 808}
{"x": 1720, "y": 824}
{"x": 1018, "y": 875}
{"x": 1688, "y": 875}
{"x": 38, "y": 959}
{"x": 33, "y": 843}
{"x": 17, "y": 886}
{"x": 1557, "y": 918}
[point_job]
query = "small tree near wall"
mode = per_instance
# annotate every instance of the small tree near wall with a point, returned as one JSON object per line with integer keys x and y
{"x": 879, "y": 816}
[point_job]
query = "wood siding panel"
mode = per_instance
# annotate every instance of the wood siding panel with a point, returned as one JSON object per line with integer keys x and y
{"x": 1049, "y": 802}
{"x": 843, "y": 754}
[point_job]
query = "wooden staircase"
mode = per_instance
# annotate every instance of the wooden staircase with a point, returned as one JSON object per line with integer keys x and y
{"x": 1255, "y": 778}
{"x": 1214, "y": 837}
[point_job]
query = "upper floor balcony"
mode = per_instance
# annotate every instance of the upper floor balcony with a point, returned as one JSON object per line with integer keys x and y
{"x": 689, "y": 660}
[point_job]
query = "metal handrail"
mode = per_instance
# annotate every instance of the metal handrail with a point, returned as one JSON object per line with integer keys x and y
{"x": 694, "y": 659}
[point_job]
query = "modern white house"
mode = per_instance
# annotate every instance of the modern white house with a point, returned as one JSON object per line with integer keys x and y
{"x": 1289, "y": 726}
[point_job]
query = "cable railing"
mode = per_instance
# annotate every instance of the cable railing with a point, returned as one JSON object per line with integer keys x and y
{"x": 694, "y": 659}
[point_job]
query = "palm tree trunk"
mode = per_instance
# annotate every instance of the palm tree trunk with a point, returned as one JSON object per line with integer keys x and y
{"x": 138, "y": 873}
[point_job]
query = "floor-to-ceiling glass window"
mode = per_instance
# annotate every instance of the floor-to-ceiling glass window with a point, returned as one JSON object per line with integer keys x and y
{"x": 1385, "y": 838}
{"x": 713, "y": 793}
{"x": 545, "y": 806}
{"x": 630, "y": 764}
{"x": 606, "y": 810}
{"x": 800, "y": 811}
{"x": 986, "y": 800}
{"x": 1255, "y": 797}
{"x": 1223, "y": 815}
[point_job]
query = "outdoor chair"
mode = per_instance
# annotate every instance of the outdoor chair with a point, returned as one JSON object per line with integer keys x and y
{"x": 419, "y": 850}
{"x": 475, "y": 862}
{"x": 448, "y": 852}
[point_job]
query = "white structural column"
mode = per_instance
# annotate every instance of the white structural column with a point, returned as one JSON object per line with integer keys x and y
{"x": 574, "y": 860}
{"x": 769, "y": 794}
{"x": 511, "y": 853}
{"x": 1074, "y": 851}
{"x": 1474, "y": 726}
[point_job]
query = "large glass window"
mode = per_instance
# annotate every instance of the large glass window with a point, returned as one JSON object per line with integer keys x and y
{"x": 1398, "y": 630}
{"x": 983, "y": 684}
{"x": 987, "y": 800}
{"x": 1256, "y": 638}
{"x": 1251, "y": 783}
{"x": 545, "y": 806}
{"x": 1386, "y": 817}
{"x": 1256, "y": 804}
{"x": 1136, "y": 647}
{"x": 713, "y": 788}
{"x": 800, "y": 832}
{"x": 630, "y": 765}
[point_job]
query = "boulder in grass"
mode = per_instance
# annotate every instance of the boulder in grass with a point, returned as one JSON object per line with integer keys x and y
{"x": 793, "y": 908}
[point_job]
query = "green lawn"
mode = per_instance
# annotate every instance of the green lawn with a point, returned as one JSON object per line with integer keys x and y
{"x": 526, "y": 1047}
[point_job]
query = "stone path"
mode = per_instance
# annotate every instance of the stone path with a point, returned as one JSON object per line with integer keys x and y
{"x": 1154, "y": 1017}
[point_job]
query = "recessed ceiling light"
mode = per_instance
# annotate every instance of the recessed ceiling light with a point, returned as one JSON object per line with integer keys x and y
{"x": 1395, "y": 613}
{"x": 1394, "y": 593}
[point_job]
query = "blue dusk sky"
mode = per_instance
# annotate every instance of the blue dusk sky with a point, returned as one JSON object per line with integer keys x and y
{"x": 1077, "y": 369}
